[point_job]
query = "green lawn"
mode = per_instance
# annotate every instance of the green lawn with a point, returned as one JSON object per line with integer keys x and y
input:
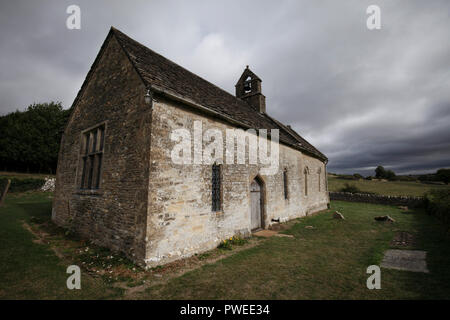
{"x": 30, "y": 270}
{"x": 391, "y": 188}
{"x": 326, "y": 262}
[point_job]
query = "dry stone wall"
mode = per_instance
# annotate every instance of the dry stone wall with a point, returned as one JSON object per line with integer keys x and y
{"x": 377, "y": 199}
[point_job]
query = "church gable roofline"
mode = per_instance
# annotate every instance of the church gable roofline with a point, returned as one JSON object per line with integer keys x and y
{"x": 167, "y": 77}
{"x": 247, "y": 73}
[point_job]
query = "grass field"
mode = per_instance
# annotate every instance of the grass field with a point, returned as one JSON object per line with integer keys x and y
{"x": 328, "y": 261}
{"x": 392, "y": 188}
{"x": 31, "y": 270}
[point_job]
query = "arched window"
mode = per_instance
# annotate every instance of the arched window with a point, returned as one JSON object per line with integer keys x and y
{"x": 216, "y": 187}
{"x": 319, "y": 171}
{"x": 285, "y": 183}
{"x": 306, "y": 172}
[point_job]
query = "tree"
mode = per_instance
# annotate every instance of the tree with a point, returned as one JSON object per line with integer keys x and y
{"x": 389, "y": 174}
{"x": 29, "y": 140}
{"x": 380, "y": 172}
{"x": 358, "y": 176}
{"x": 443, "y": 175}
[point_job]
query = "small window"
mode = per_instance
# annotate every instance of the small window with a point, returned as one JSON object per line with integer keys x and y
{"x": 92, "y": 155}
{"x": 216, "y": 187}
{"x": 319, "y": 171}
{"x": 285, "y": 184}
{"x": 305, "y": 172}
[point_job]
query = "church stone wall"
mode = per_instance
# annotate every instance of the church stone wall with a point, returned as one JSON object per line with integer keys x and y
{"x": 115, "y": 215}
{"x": 180, "y": 218}
{"x": 147, "y": 207}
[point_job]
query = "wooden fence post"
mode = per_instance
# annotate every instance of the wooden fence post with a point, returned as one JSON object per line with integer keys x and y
{"x": 4, "y": 192}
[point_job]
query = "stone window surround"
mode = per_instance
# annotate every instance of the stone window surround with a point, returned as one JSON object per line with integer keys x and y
{"x": 319, "y": 172}
{"x": 285, "y": 184}
{"x": 306, "y": 173}
{"x": 92, "y": 191}
{"x": 217, "y": 207}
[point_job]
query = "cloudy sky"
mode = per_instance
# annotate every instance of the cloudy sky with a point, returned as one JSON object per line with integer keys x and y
{"x": 363, "y": 97}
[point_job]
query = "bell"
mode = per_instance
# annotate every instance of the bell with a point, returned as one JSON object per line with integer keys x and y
{"x": 247, "y": 86}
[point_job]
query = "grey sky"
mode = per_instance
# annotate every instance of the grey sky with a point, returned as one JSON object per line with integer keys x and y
{"x": 362, "y": 97}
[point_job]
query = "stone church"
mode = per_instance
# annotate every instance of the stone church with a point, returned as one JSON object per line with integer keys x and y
{"x": 118, "y": 186}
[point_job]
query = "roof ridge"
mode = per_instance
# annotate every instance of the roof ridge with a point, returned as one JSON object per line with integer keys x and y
{"x": 297, "y": 136}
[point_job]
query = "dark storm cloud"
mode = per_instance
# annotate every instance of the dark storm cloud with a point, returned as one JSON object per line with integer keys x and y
{"x": 362, "y": 97}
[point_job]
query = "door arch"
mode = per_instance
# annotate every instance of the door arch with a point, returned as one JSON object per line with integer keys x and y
{"x": 256, "y": 204}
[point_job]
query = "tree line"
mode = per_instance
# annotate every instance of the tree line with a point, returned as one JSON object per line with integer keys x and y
{"x": 29, "y": 140}
{"x": 441, "y": 175}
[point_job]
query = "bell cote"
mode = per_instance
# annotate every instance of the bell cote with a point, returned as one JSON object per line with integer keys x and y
{"x": 248, "y": 88}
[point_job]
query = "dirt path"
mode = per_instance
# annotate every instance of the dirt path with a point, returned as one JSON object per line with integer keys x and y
{"x": 133, "y": 280}
{"x": 40, "y": 238}
{"x": 178, "y": 268}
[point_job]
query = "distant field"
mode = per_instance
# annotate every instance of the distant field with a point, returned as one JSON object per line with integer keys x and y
{"x": 391, "y": 188}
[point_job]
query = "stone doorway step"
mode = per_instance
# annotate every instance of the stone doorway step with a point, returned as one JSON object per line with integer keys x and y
{"x": 407, "y": 260}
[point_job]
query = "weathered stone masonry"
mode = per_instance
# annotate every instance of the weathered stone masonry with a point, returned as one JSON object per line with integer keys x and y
{"x": 146, "y": 206}
{"x": 180, "y": 195}
{"x": 115, "y": 215}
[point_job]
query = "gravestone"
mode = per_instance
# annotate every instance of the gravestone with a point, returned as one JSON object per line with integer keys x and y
{"x": 407, "y": 260}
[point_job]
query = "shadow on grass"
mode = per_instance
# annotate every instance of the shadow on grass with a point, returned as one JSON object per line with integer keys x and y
{"x": 30, "y": 269}
{"x": 37, "y": 212}
{"x": 433, "y": 237}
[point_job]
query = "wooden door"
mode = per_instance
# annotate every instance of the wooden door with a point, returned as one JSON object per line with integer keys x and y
{"x": 255, "y": 203}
